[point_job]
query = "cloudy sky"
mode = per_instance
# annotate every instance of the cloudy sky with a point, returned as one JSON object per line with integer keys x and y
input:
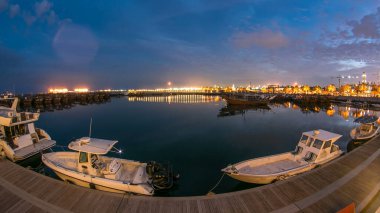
{"x": 141, "y": 43}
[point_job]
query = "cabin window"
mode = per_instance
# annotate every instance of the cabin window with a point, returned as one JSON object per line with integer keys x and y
{"x": 327, "y": 144}
{"x": 83, "y": 157}
{"x": 309, "y": 142}
{"x": 317, "y": 143}
{"x": 304, "y": 138}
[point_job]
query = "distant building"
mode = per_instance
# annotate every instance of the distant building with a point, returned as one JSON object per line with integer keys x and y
{"x": 364, "y": 78}
{"x": 274, "y": 88}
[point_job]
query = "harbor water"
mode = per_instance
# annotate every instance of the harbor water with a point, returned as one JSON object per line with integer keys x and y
{"x": 198, "y": 135}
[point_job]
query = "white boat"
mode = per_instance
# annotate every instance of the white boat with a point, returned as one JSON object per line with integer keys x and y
{"x": 88, "y": 167}
{"x": 367, "y": 129}
{"x": 19, "y": 139}
{"x": 314, "y": 148}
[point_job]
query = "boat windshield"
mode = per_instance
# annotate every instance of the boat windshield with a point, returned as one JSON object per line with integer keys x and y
{"x": 327, "y": 144}
{"x": 317, "y": 143}
{"x": 83, "y": 157}
{"x": 309, "y": 142}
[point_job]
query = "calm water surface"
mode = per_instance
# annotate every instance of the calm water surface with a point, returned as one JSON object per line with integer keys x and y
{"x": 188, "y": 132}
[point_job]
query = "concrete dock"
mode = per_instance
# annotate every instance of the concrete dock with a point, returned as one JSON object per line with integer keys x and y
{"x": 353, "y": 178}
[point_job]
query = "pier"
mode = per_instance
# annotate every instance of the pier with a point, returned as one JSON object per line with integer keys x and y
{"x": 353, "y": 178}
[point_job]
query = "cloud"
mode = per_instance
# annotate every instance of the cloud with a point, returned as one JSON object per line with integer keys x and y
{"x": 29, "y": 19}
{"x": 350, "y": 64}
{"x": 368, "y": 26}
{"x": 14, "y": 10}
{"x": 265, "y": 38}
{"x": 3, "y": 5}
{"x": 52, "y": 18}
{"x": 42, "y": 7}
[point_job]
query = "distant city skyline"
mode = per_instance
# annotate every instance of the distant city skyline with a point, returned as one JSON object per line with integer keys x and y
{"x": 145, "y": 44}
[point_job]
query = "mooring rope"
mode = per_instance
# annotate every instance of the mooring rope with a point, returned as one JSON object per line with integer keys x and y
{"x": 217, "y": 184}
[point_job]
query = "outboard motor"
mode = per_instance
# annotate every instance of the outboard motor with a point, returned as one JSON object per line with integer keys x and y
{"x": 161, "y": 175}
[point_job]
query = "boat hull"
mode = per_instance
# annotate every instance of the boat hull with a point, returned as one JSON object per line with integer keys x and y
{"x": 270, "y": 178}
{"x": 356, "y": 137}
{"x": 99, "y": 183}
{"x": 266, "y": 179}
{"x": 82, "y": 183}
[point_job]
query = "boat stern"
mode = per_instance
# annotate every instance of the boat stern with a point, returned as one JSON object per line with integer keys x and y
{"x": 34, "y": 149}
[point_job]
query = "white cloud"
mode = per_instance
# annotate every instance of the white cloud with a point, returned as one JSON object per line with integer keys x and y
{"x": 350, "y": 64}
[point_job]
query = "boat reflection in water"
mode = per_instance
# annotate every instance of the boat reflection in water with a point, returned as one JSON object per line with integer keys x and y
{"x": 232, "y": 110}
{"x": 346, "y": 112}
{"x": 331, "y": 110}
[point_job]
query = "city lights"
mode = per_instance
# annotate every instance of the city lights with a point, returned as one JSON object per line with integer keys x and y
{"x": 81, "y": 90}
{"x": 58, "y": 90}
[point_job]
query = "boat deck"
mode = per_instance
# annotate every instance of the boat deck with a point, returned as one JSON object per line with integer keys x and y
{"x": 352, "y": 178}
{"x": 28, "y": 151}
{"x": 270, "y": 168}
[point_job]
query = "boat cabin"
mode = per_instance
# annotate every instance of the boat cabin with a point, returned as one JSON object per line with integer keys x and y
{"x": 17, "y": 128}
{"x": 89, "y": 157}
{"x": 316, "y": 146}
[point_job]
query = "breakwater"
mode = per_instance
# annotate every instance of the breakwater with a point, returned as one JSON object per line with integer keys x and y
{"x": 50, "y": 102}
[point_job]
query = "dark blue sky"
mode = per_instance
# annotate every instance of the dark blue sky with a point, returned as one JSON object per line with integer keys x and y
{"x": 129, "y": 44}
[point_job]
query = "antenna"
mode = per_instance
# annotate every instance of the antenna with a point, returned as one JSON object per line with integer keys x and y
{"x": 90, "y": 128}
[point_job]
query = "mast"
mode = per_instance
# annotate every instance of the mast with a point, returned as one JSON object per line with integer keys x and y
{"x": 90, "y": 128}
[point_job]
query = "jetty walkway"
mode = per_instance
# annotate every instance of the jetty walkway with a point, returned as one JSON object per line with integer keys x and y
{"x": 353, "y": 178}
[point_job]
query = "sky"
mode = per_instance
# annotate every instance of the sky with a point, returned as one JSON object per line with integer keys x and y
{"x": 123, "y": 44}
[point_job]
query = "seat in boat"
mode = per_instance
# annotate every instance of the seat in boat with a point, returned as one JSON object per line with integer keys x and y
{"x": 297, "y": 151}
{"x": 310, "y": 157}
{"x": 96, "y": 163}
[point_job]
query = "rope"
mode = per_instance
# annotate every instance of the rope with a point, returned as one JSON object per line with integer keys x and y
{"x": 62, "y": 147}
{"x": 217, "y": 184}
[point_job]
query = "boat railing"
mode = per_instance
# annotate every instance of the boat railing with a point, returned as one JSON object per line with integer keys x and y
{"x": 24, "y": 116}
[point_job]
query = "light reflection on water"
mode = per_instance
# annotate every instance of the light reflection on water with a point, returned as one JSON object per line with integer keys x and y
{"x": 199, "y": 138}
{"x": 180, "y": 99}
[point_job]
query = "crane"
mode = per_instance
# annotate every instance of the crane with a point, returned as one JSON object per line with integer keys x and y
{"x": 340, "y": 77}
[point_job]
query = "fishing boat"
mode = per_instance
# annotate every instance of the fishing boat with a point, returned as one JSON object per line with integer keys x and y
{"x": 19, "y": 139}
{"x": 88, "y": 167}
{"x": 314, "y": 148}
{"x": 248, "y": 99}
{"x": 367, "y": 129}
{"x": 232, "y": 110}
